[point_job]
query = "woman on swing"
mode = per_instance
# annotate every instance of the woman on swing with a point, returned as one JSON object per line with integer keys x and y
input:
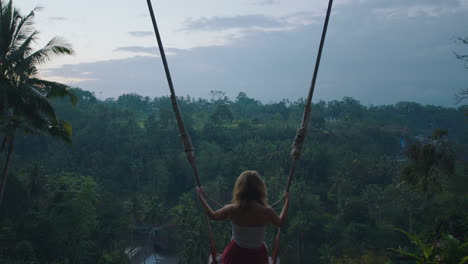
{"x": 249, "y": 213}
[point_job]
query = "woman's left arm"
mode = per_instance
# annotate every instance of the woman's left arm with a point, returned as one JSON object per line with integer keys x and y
{"x": 221, "y": 214}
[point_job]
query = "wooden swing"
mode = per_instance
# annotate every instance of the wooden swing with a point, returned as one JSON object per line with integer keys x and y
{"x": 215, "y": 258}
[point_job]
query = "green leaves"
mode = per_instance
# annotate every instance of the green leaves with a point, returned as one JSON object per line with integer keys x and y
{"x": 402, "y": 252}
{"x": 429, "y": 163}
{"x": 56, "y": 46}
{"x": 26, "y": 101}
{"x": 450, "y": 250}
{"x": 54, "y": 90}
{"x": 414, "y": 239}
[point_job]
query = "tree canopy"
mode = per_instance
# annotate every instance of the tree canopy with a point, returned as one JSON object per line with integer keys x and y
{"x": 351, "y": 188}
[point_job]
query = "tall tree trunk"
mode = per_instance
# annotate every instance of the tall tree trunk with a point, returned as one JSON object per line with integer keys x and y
{"x": 340, "y": 209}
{"x": 3, "y": 144}
{"x": 3, "y": 178}
{"x": 302, "y": 245}
{"x": 2, "y": 148}
{"x": 298, "y": 247}
{"x": 411, "y": 222}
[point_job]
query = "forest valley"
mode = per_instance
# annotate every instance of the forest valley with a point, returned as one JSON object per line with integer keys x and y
{"x": 375, "y": 184}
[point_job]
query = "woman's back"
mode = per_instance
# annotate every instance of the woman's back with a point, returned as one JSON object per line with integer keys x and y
{"x": 248, "y": 224}
{"x": 252, "y": 214}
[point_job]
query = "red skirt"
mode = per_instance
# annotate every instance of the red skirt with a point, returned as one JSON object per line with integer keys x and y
{"x": 233, "y": 254}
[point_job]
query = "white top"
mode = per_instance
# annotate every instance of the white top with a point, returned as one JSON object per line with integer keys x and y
{"x": 248, "y": 236}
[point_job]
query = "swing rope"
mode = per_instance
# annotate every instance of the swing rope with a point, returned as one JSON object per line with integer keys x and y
{"x": 184, "y": 136}
{"x": 302, "y": 131}
{"x": 298, "y": 140}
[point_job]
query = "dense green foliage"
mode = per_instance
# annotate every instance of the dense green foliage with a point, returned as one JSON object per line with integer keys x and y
{"x": 355, "y": 182}
{"x": 24, "y": 98}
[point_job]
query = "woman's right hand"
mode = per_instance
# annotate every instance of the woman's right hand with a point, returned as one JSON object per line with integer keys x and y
{"x": 201, "y": 191}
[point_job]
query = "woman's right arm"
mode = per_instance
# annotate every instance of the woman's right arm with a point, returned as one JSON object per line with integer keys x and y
{"x": 279, "y": 220}
{"x": 221, "y": 214}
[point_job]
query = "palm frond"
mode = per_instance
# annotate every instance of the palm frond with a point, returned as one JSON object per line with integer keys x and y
{"x": 28, "y": 116}
{"x": 6, "y": 18}
{"x": 56, "y": 46}
{"x": 407, "y": 254}
{"x": 23, "y": 50}
{"x": 38, "y": 100}
{"x": 22, "y": 69}
{"x": 24, "y": 29}
{"x": 61, "y": 129}
{"x": 10, "y": 95}
{"x": 463, "y": 260}
{"x": 54, "y": 89}
{"x": 414, "y": 239}
{"x": 16, "y": 18}
{"x": 28, "y": 127}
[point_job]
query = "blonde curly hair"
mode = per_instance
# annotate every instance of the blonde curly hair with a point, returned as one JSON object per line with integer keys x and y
{"x": 249, "y": 187}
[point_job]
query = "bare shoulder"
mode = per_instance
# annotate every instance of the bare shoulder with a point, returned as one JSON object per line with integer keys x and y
{"x": 270, "y": 210}
{"x": 229, "y": 208}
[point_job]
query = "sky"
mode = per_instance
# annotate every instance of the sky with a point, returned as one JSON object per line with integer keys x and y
{"x": 376, "y": 51}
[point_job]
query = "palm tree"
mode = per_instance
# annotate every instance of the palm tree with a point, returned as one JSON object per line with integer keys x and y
{"x": 463, "y": 93}
{"x": 429, "y": 162}
{"x": 24, "y": 98}
{"x": 341, "y": 187}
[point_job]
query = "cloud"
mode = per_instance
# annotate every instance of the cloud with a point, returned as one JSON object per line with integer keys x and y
{"x": 152, "y": 51}
{"x": 413, "y": 11}
{"x": 401, "y": 3}
{"x": 303, "y": 18}
{"x": 396, "y": 9}
{"x": 266, "y": 2}
{"x": 246, "y": 24}
{"x": 58, "y": 18}
{"x": 141, "y": 33}
{"x": 139, "y": 49}
{"x": 231, "y": 22}
{"x": 72, "y": 81}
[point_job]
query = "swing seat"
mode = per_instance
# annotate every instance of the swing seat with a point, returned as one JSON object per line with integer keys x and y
{"x": 218, "y": 260}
